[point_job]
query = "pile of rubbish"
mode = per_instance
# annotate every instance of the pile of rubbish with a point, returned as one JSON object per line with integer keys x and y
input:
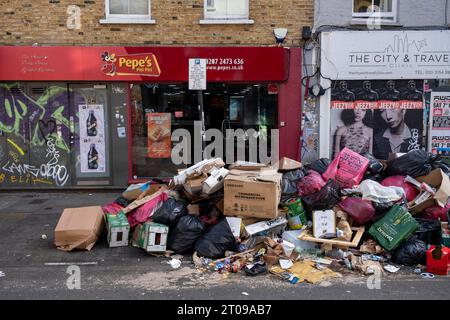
{"x": 298, "y": 223}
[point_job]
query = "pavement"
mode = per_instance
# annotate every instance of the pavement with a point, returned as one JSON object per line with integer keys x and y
{"x": 32, "y": 268}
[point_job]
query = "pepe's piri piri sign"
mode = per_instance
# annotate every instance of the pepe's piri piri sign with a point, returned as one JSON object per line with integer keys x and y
{"x": 141, "y": 64}
{"x": 114, "y": 63}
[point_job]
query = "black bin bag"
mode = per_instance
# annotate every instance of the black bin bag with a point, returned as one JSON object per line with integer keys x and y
{"x": 170, "y": 212}
{"x": 415, "y": 163}
{"x": 289, "y": 182}
{"x": 326, "y": 198}
{"x": 187, "y": 231}
{"x": 320, "y": 165}
{"x": 216, "y": 241}
{"x": 411, "y": 253}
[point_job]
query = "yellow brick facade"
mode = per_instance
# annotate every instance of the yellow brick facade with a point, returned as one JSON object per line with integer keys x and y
{"x": 25, "y": 22}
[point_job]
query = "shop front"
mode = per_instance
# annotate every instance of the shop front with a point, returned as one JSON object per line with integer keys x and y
{"x": 105, "y": 116}
{"x": 381, "y": 89}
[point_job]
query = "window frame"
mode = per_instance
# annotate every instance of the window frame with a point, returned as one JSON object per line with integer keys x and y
{"x": 207, "y": 17}
{"x": 385, "y": 16}
{"x": 127, "y": 18}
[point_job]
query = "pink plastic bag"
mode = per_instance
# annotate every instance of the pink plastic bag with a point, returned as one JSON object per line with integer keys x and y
{"x": 399, "y": 181}
{"x": 361, "y": 211}
{"x": 436, "y": 213}
{"x": 144, "y": 212}
{"x": 310, "y": 184}
{"x": 347, "y": 168}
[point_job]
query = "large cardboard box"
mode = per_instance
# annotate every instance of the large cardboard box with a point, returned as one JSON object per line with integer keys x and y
{"x": 252, "y": 194}
{"x": 439, "y": 180}
{"x": 79, "y": 228}
{"x": 194, "y": 185}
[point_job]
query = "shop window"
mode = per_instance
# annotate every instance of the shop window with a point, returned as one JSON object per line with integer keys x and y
{"x": 226, "y": 107}
{"x": 226, "y": 11}
{"x": 384, "y": 9}
{"x": 127, "y": 11}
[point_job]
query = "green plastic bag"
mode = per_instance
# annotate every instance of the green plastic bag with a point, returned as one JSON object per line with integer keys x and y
{"x": 394, "y": 228}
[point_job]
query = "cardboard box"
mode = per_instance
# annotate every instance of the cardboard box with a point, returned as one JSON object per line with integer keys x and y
{"x": 79, "y": 228}
{"x": 118, "y": 229}
{"x": 250, "y": 166}
{"x": 194, "y": 185}
{"x": 215, "y": 181}
{"x": 439, "y": 180}
{"x": 254, "y": 194}
{"x": 265, "y": 226}
{"x": 205, "y": 167}
{"x": 150, "y": 236}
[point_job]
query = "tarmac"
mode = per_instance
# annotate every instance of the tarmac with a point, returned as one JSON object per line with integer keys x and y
{"x": 32, "y": 268}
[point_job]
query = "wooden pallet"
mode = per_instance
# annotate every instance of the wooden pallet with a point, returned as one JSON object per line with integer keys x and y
{"x": 328, "y": 243}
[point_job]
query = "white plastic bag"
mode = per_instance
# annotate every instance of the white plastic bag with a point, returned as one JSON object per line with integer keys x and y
{"x": 373, "y": 191}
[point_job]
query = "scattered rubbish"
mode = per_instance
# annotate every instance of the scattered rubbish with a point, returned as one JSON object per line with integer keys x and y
{"x": 427, "y": 275}
{"x": 244, "y": 293}
{"x": 391, "y": 268}
{"x": 300, "y": 224}
{"x": 44, "y": 237}
{"x": 175, "y": 263}
{"x": 2, "y": 274}
{"x": 285, "y": 264}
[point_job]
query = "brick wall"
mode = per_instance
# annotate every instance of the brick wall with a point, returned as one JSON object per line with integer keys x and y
{"x": 25, "y": 22}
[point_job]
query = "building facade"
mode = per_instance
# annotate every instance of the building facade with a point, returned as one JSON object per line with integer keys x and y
{"x": 90, "y": 91}
{"x": 384, "y": 70}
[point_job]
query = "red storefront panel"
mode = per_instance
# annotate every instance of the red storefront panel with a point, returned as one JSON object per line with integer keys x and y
{"x": 150, "y": 64}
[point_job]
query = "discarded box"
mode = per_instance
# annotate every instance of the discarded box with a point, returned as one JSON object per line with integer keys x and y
{"x": 193, "y": 185}
{"x": 235, "y": 226}
{"x": 135, "y": 190}
{"x": 245, "y": 165}
{"x": 204, "y": 166}
{"x": 137, "y": 203}
{"x": 439, "y": 180}
{"x": 215, "y": 181}
{"x": 118, "y": 229}
{"x": 394, "y": 228}
{"x": 324, "y": 223}
{"x": 79, "y": 228}
{"x": 252, "y": 194}
{"x": 264, "y": 226}
{"x": 150, "y": 236}
{"x": 438, "y": 264}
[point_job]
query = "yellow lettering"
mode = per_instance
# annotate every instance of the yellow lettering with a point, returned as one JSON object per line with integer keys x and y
{"x": 122, "y": 61}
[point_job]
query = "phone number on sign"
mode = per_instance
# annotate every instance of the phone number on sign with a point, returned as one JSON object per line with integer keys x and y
{"x": 225, "y": 61}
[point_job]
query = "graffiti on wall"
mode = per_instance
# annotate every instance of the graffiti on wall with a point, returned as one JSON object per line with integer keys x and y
{"x": 34, "y": 136}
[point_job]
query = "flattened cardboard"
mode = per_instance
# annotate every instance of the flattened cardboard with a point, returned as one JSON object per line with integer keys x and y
{"x": 438, "y": 179}
{"x": 135, "y": 190}
{"x": 250, "y": 166}
{"x": 79, "y": 228}
{"x": 137, "y": 203}
{"x": 286, "y": 164}
{"x": 252, "y": 195}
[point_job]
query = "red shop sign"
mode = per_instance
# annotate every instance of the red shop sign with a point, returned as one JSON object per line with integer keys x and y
{"x": 236, "y": 64}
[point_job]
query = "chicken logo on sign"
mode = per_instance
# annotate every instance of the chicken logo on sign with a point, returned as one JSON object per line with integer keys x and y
{"x": 141, "y": 64}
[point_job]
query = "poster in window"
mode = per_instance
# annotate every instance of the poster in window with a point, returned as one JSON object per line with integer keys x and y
{"x": 159, "y": 135}
{"x": 92, "y": 138}
{"x": 440, "y": 123}
{"x": 379, "y": 117}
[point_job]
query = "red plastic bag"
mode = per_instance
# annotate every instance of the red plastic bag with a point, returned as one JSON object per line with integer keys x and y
{"x": 399, "y": 181}
{"x": 361, "y": 211}
{"x": 310, "y": 184}
{"x": 436, "y": 213}
{"x": 347, "y": 168}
